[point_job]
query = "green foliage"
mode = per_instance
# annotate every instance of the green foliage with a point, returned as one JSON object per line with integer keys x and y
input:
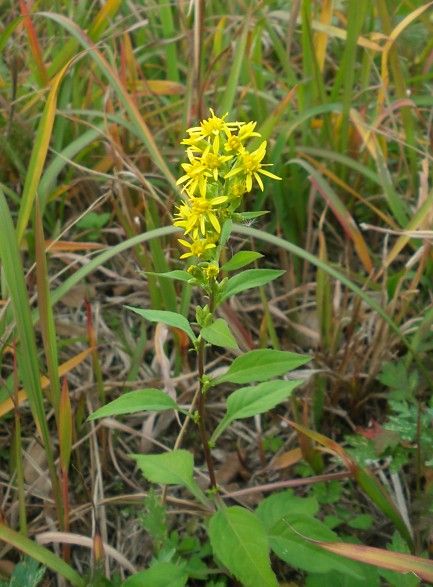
{"x": 160, "y": 574}
{"x": 171, "y": 468}
{"x": 154, "y": 519}
{"x": 399, "y": 579}
{"x": 261, "y": 365}
{"x": 247, "y": 280}
{"x": 239, "y": 541}
{"x": 142, "y": 400}
{"x": 241, "y": 259}
{"x": 166, "y": 317}
{"x": 92, "y": 223}
{"x": 250, "y": 401}
{"x": 219, "y": 334}
{"x": 110, "y": 124}
{"x": 27, "y": 573}
{"x": 401, "y": 383}
{"x": 178, "y": 274}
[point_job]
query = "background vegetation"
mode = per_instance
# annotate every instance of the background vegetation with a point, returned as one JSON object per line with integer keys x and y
{"x": 94, "y": 99}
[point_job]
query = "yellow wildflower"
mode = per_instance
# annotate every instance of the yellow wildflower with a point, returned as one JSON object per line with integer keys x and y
{"x": 250, "y": 165}
{"x": 237, "y": 189}
{"x": 212, "y": 271}
{"x": 199, "y": 212}
{"x": 196, "y": 174}
{"x": 234, "y": 142}
{"x": 212, "y": 127}
{"x": 196, "y": 248}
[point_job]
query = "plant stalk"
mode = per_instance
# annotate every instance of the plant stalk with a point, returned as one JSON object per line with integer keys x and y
{"x": 202, "y": 416}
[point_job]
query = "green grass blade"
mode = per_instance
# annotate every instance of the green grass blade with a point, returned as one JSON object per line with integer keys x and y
{"x": 126, "y": 100}
{"x": 38, "y": 156}
{"x": 41, "y": 554}
{"x": 26, "y": 350}
{"x": 46, "y": 313}
{"x": 233, "y": 79}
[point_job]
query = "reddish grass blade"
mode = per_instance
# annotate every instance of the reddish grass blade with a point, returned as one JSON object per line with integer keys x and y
{"x": 41, "y": 72}
{"x": 394, "y": 561}
{"x": 366, "y": 480}
{"x": 38, "y": 156}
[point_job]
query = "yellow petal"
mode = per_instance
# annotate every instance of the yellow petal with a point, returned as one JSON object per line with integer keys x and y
{"x": 233, "y": 172}
{"x": 214, "y": 221}
{"x": 219, "y": 200}
{"x": 269, "y": 174}
{"x": 259, "y": 181}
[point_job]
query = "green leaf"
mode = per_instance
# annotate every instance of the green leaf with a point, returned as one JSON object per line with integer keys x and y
{"x": 225, "y": 232}
{"x": 239, "y": 540}
{"x": 219, "y": 334}
{"x": 160, "y": 574}
{"x": 249, "y": 279}
{"x": 370, "y": 577}
{"x": 260, "y": 365}
{"x": 289, "y": 540}
{"x": 241, "y": 259}
{"x": 250, "y": 401}
{"x": 166, "y": 317}
{"x": 277, "y": 505}
{"x": 251, "y": 215}
{"x": 28, "y": 573}
{"x": 175, "y": 467}
{"x": 361, "y": 522}
{"x": 175, "y": 274}
{"x": 143, "y": 400}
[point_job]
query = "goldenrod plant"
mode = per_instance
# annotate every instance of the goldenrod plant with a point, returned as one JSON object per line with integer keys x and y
{"x": 220, "y": 172}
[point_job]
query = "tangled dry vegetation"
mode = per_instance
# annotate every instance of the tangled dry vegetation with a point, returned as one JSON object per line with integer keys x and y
{"x": 94, "y": 100}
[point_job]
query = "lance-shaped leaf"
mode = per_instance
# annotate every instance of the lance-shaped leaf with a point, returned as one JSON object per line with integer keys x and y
{"x": 239, "y": 540}
{"x": 176, "y": 274}
{"x": 249, "y": 279}
{"x": 250, "y": 401}
{"x": 142, "y": 400}
{"x": 166, "y": 317}
{"x": 260, "y": 365}
{"x": 219, "y": 334}
{"x": 241, "y": 259}
{"x": 175, "y": 467}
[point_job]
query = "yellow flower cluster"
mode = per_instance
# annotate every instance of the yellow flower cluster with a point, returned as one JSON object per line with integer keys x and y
{"x": 220, "y": 170}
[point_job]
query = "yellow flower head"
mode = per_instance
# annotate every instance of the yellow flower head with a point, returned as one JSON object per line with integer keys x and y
{"x": 219, "y": 171}
{"x": 234, "y": 142}
{"x": 249, "y": 165}
{"x": 212, "y": 271}
{"x": 196, "y": 248}
{"x": 212, "y": 127}
{"x": 196, "y": 174}
{"x": 198, "y": 214}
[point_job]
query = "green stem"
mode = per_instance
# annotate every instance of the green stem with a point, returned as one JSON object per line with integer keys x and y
{"x": 202, "y": 415}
